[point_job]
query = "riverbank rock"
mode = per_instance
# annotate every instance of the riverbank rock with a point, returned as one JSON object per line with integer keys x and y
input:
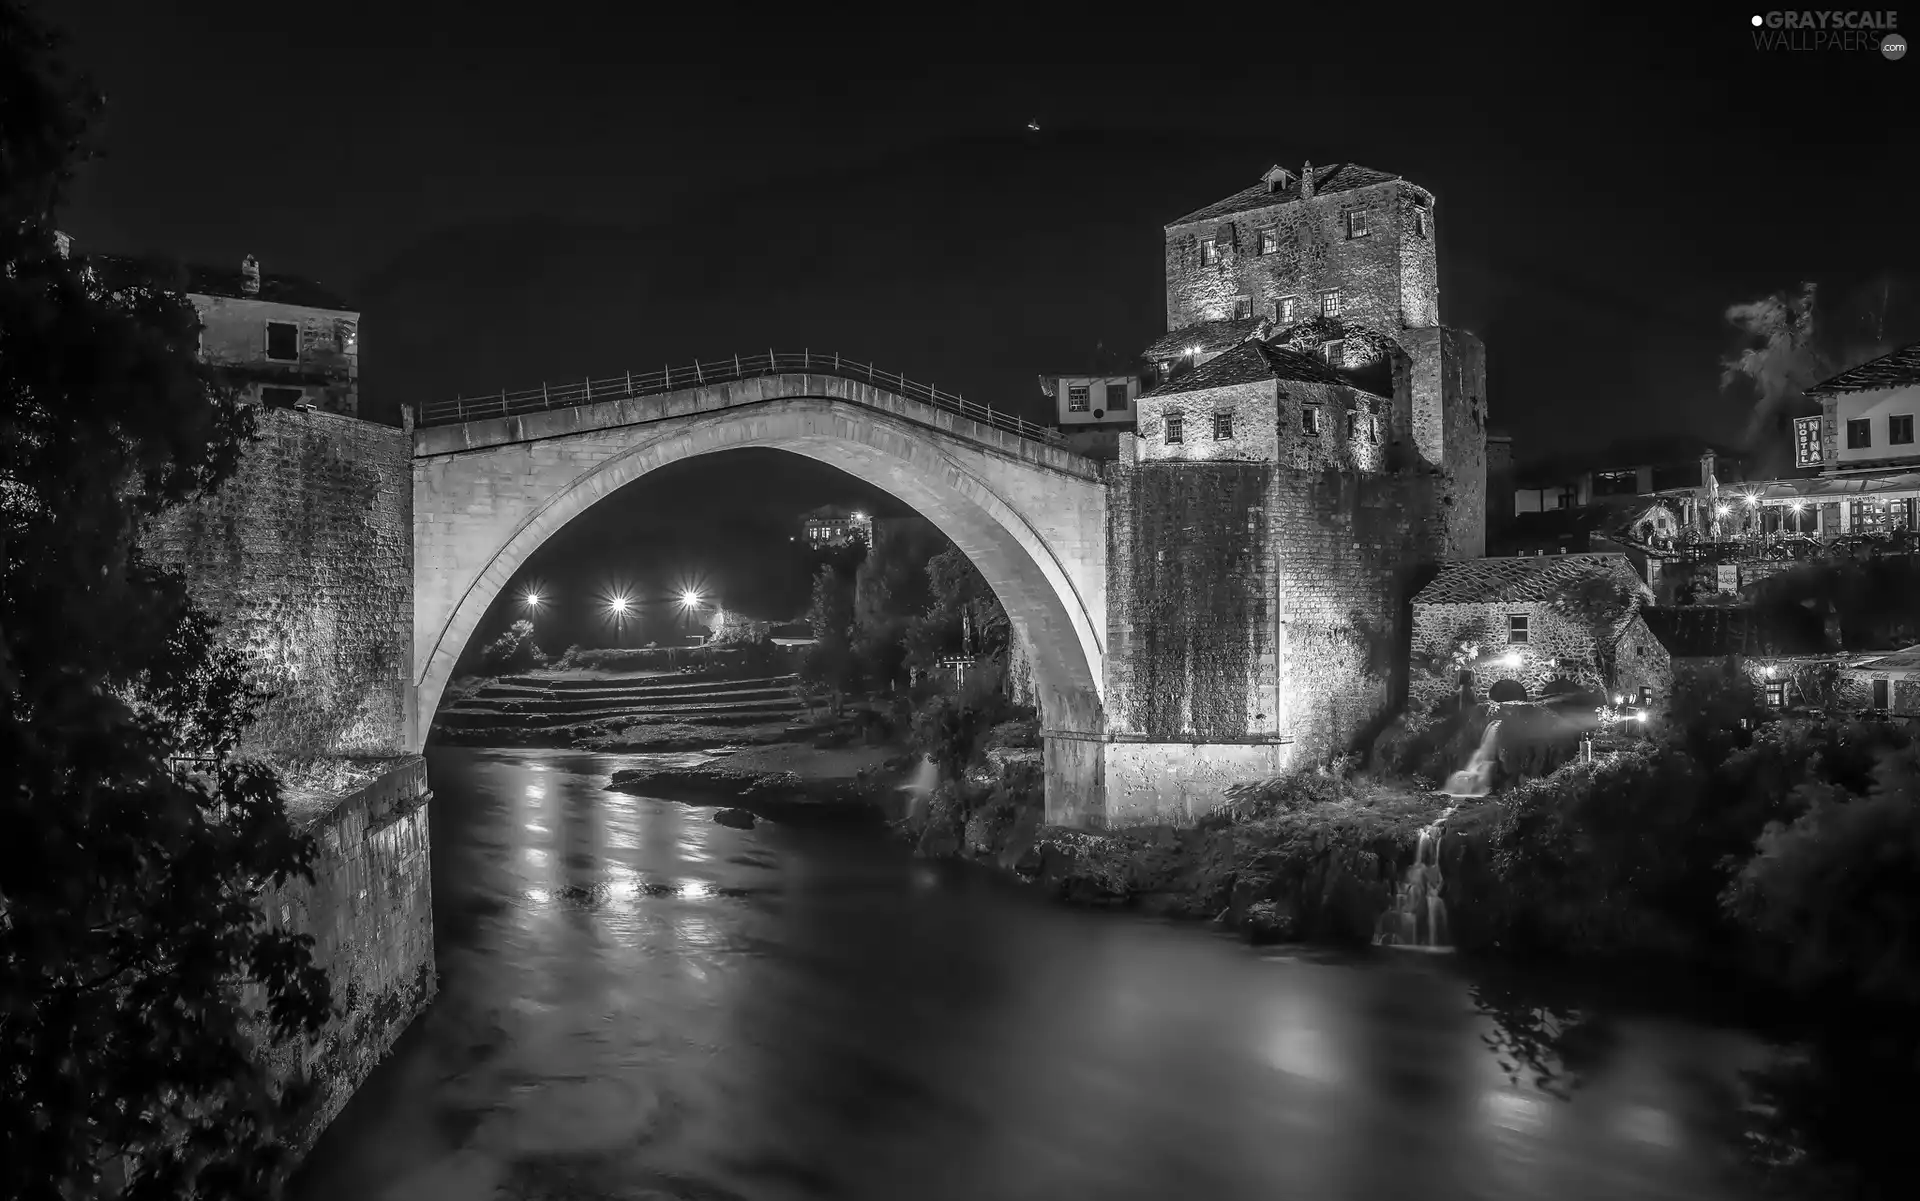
{"x": 739, "y": 819}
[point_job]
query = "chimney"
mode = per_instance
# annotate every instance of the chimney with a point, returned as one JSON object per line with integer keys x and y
{"x": 250, "y": 276}
{"x": 1306, "y": 182}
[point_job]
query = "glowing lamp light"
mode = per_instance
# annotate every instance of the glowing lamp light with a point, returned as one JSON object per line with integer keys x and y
{"x": 1640, "y": 716}
{"x": 1512, "y": 660}
{"x": 1752, "y": 499}
{"x": 1619, "y": 700}
{"x": 533, "y": 599}
{"x": 1767, "y": 671}
{"x": 1722, "y": 510}
{"x": 1192, "y": 351}
{"x": 1798, "y": 506}
{"x": 618, "y": 605}
{"x": 690, "y": 599}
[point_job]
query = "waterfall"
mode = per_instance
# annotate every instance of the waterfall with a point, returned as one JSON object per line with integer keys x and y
{"x": 1418, "y": 915}
{"x": 1476, "y": 778}
{"x": 921, "y": 785}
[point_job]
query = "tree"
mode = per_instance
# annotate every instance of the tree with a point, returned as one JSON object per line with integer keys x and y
{"x": 830, "y": 662}
{"x": 890, "y": 590}
{"x": 963, "y": 616}
{"x": 129, "y": 890}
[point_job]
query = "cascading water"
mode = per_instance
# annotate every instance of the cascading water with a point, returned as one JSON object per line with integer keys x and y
{"x": 920, "y": 786}
{"x": 1476, "y": 778}
{"x": 1418, "y": 915}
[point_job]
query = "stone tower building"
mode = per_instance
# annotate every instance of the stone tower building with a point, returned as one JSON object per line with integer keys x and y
{"x": 1315, "y": 440}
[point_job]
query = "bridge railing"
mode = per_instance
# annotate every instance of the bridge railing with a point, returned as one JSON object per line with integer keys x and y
{"x": 668, "y": 379}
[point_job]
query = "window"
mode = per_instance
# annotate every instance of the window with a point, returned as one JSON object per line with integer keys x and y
{"x": 1223, "y": 426}
{"x": 1243, "y": 308}
{"x": 1777, "y": 693}
{"x": 1373, "y": 430}
{"x": 1357, "y": 224}
{"x": 281, "y": 398}
{"x": 1336, "y": 354}
{"x": 1353, "y": 426}
{"x": 1209, "y": 253}
{"x": 1288, "y": 310}
{"x": 1330, "y": 304}
{"x": 1859, "y": 434}
{"x": 1077, "y": 395}
{"x": 1310, "y": 420}
{"x": 1900, "y": 430}
{"x": 1517, "y": 628}
{"x": 283, "y": 341}
{"x": 1269, "y": 240}
{"x": 1616, "y": 483}
{"x": 1881, "y": 689}
{"x": 1646, "y": 693}
{"x": 1116, "y": 398}
{"x": 1419, "y": 220}
{"x": 1176, "y": 428}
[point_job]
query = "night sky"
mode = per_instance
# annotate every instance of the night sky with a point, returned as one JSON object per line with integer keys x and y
{"x": 511, "y": 202}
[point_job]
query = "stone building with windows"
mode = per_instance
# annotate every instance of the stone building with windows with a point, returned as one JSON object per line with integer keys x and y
{"x": 1504, "y": 626}
{"x": 1285, "y": 484}
{"x": 285, "y": 340}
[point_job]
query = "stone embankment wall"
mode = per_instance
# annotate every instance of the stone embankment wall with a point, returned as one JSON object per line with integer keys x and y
{"x": 306, "y": 556}
{"x": 369, "y": 910}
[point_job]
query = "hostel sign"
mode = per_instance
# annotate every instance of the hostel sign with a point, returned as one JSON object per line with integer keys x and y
{"x": 1806, "y": 442}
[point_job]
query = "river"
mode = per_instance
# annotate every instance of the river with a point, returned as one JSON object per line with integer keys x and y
{"x": 639, "y": 1003}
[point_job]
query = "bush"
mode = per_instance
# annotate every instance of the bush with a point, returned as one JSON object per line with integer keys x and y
{"x": 1830, "y": 897}
{"x": 951, "y": 726}
{"x": 512, "y": 651}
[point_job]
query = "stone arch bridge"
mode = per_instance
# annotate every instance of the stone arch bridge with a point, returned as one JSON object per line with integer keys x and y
{"x": 494, "y": 478}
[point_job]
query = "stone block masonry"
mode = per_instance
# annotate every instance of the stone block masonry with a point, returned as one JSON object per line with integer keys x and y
{"x": 369, "y": 910}
{"x": 306, "y": 557}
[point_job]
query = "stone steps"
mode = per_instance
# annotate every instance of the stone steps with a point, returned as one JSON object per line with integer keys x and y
{"x": 467, "y": 719}
{"x": 543, "y": 703}
{"x": 532, "y": 703}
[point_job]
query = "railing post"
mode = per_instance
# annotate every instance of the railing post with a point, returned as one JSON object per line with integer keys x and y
{"x": 629, "y": 383}
{"x": 736, "y": 366}
{"x": 503, "y": 402}
{"x": 589, "y": 386}
{"x": 698, "y": 378}
{"x": 546, "y": 397}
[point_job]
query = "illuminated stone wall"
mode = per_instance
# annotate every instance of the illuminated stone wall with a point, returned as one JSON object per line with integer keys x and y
{"x": 1387, "y": 279}
{"x": 306, "y": 557}
{"x": 369, "y": 910}
{"x": 1557, "y": 648}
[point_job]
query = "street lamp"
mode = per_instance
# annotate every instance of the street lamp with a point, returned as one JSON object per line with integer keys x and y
{"x": 689, "y": 602}
{"x": 533, "y": 600}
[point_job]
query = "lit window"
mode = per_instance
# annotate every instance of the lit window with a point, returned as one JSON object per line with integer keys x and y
{"x": 283, "y": 341}
{"x": 1289, "y": 310}
{"x": 1269, "y": 240}
{"x": 1517, "y": 628}
{"x": 1357, "y": 224}
{"x": 1243, "y": 308}
{"x": 1336, "y": 354}
{"x": 1310, "y": 420}
{"x": 1223, "y": 426}
{"x": 1900, "y": 430}
{"x": 1209, "y": 253}
{"x": 1419, "y": 220}
{"x": 1077, "y": 397}
{"x": 1116, "y": 398}
{"x": 1859, "y": 434}
{"x": 1330, "y": 304}
{"x": 1176, "y": 429}
{"x": 1777, "y": 693}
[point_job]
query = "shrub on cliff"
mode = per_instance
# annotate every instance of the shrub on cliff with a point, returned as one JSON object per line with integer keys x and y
{"x": 512, "y": 651}
{"x": 1831, "y": 896}
{"x": 951, "y": 726}
{"x": 129, "y": 890}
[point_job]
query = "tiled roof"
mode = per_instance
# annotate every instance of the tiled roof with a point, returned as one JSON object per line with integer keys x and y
{"x": 1519, "y": 579}
{"x": 1248, "y": 363}
{"x": 1906, "y": 660}
{"x": 215, "y": 281}
{"x": 1716, "y": 631}
{"x": 1340, "y": 177}
{"x": 1209, "y": 336}
{"x": 1897, "y": 370}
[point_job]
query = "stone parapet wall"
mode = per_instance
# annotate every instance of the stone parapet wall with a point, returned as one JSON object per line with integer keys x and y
{"x": 369, "y": 910}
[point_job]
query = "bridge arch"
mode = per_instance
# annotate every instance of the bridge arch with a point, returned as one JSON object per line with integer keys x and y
{"x": 486, "y": 499}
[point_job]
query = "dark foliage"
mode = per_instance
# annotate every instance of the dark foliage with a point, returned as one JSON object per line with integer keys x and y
{"x": 512, "y": 651}
{"x": 129, "y": 915}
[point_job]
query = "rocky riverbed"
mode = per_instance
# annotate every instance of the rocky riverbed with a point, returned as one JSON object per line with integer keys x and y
{"x": 786, "y": 781}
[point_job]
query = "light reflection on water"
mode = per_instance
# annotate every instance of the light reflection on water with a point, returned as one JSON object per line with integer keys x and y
{"x": 638, "y": 1001}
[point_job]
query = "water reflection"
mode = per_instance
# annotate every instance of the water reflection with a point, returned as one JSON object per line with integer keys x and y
{"x": 640, "y": 1002}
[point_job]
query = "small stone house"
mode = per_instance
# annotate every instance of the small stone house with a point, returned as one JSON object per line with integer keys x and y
{"x": 1890, "y": 682}
{"x": 1504, "y": 624}
{"x": 1793, "y": 668}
